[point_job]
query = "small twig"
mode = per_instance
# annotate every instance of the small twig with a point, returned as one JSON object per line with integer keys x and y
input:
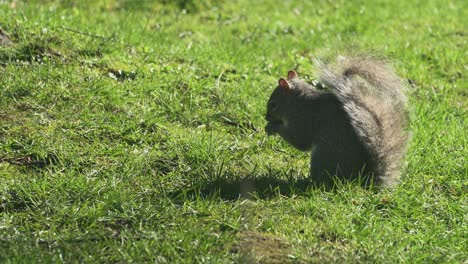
{"x": 240, "y": 125}
{"x": 86, "y": 33}
{"x": 22, "y": 161}
{"x": 230, "y": 122}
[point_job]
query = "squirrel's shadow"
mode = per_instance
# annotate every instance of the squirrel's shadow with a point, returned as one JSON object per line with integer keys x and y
{"x": 263, "y": 187}
{"x": 233, "y": 187}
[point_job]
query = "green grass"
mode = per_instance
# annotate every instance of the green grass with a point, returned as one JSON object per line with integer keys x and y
{"x": 129, "y": 131}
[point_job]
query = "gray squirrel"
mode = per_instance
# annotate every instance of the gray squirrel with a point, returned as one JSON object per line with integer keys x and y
{"x": 355, "y": 127}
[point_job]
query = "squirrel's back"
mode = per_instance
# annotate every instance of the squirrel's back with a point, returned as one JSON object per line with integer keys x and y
{"x": 374, "y": 98}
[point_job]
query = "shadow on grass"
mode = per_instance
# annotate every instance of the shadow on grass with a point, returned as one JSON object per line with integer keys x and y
{"x": 232, "y": 187}
{"x": 264, "y": 187}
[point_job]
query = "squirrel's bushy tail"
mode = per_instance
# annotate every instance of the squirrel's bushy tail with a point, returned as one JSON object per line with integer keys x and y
{"x": 375, "y": 99}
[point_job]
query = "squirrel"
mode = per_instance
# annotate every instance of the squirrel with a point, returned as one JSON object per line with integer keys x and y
{"x": 355, "y": 126}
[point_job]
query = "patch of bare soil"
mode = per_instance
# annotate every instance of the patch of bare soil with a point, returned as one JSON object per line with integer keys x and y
{"x": 255, "y": 247}
{"x": 5, "y": 39}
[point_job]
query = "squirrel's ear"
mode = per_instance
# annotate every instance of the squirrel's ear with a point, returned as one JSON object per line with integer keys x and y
{"x": 284, "y": 84}
{"x": 292, "y": 75}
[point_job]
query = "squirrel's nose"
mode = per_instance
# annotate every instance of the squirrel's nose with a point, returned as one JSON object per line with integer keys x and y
{"x": 269, "y": 129}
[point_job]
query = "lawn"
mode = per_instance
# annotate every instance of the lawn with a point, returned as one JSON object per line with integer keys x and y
{"x": 132, "y": 131}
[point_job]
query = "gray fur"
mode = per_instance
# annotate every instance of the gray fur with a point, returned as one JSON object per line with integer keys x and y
{"x": 357, "y": 128}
